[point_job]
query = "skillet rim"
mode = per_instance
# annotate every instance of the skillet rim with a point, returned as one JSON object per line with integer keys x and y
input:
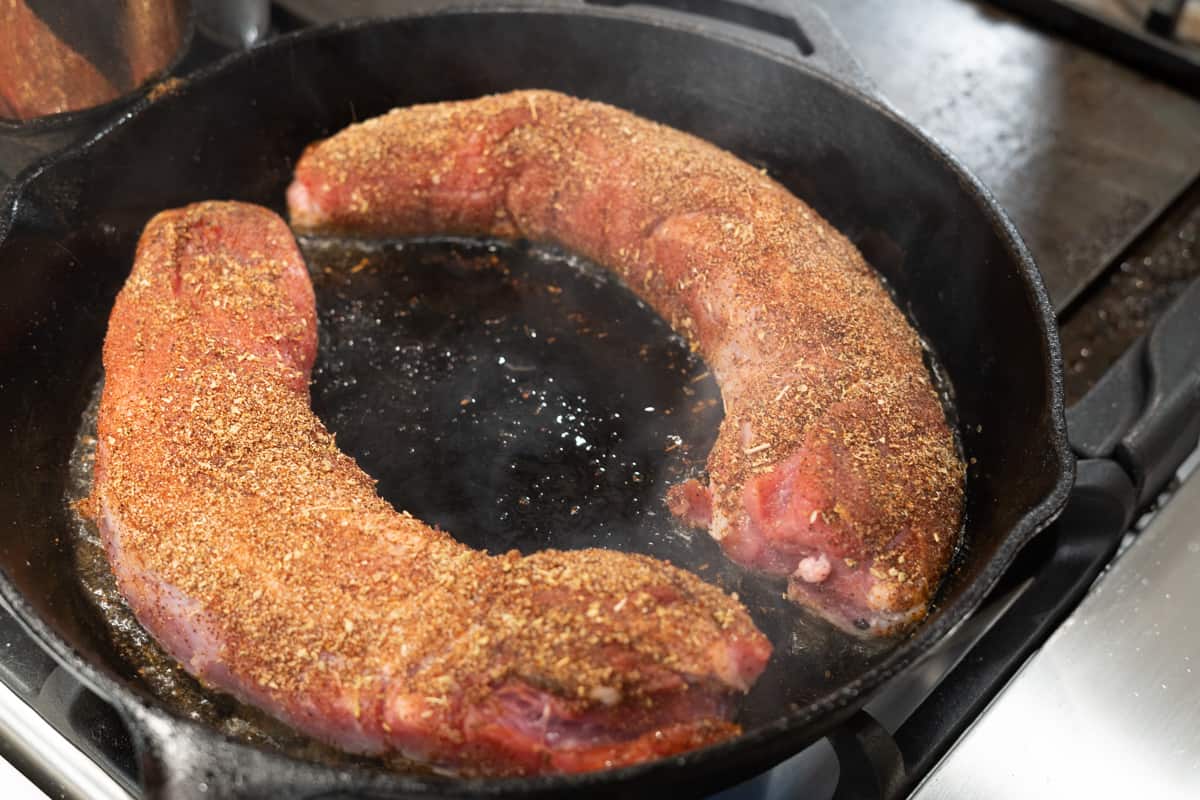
{"x": 789, "y": 731}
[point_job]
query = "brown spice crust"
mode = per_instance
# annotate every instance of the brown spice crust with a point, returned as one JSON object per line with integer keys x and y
{"x": 224, "y": 485}
{"x": 808, "y": 347}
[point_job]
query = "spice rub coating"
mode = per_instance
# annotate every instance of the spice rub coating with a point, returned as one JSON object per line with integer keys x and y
{"x": 835, "y": 465}
{"x": 262, "y": 558}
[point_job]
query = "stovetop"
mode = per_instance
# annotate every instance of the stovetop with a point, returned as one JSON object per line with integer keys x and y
{"x": 1098, "y": 166}
{"x": 1114, "y": 685}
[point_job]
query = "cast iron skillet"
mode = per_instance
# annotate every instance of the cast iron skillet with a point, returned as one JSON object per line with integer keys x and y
{"x": 955, "y": 262}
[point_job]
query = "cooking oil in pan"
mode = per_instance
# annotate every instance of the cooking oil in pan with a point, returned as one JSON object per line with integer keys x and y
{"x": 512, "y": 395}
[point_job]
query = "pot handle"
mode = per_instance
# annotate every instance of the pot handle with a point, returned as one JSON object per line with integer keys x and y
{"x": 799, "y": 22}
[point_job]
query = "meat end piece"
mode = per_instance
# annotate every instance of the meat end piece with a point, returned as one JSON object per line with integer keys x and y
{"x": 691, "y": 503}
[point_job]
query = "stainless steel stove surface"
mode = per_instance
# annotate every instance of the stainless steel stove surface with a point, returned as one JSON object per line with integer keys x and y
{"x": 1076, "y": 675}
{"x": 1108, "y": 706}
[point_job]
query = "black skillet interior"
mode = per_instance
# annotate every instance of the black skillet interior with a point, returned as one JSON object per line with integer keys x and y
{"x": 951, "y": 258}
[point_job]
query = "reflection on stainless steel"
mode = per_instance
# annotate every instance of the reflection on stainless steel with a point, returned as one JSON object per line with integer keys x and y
{"x": 1109, "y": 707}
{"x": 234, "y": 23}
{"x": 67, "y": 56}
{"x": 34, "y": 743}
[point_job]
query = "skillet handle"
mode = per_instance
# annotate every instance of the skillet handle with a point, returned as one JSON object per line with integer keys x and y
{"x": 798, "y": 22}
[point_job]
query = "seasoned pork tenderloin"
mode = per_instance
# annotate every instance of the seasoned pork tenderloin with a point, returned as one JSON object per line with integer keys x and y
{"x": 835, "y": 465}
{"x": 263, "y": 560}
